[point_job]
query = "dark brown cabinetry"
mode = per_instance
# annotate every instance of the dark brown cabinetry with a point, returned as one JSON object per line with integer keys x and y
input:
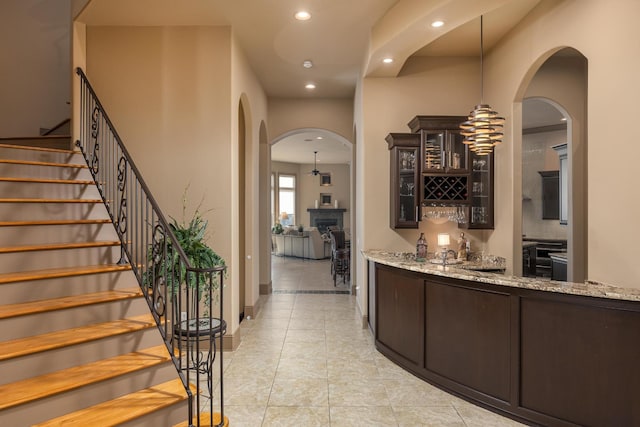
{"x": 444, "y": 160}
{"x": 400, "y": 314}
{"x": 550, "y": 194}
{"x": 547, "y": 358}
{"x": 446, "y": 173}
{"x": 404, "y": 187}
{"x": 480, "y": 210}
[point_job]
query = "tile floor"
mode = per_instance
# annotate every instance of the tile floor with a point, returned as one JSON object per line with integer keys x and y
{"x": 306, "y": 361}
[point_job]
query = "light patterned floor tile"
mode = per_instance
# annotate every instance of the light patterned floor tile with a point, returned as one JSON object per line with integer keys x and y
{"x": 351, "y": 368}
{"x": 310, "y": 350}
{"x": 435, "y": 416}
{"x": 357, "y": 392}
{"x": 409, "y": 393}
{"x": 474, "y": 416}
{"x": 299, "y": 392}
{"x": 302, "y": 368}
{"x": 307, "y": 361}
{"x": 368, "y": 416}
{"x": 290, "y": 416}
{"x": 245, "y": 416}
{"x": 304, "y": 336}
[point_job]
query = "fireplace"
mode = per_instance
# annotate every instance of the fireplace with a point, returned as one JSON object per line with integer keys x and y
{"x": 323, "y": 218}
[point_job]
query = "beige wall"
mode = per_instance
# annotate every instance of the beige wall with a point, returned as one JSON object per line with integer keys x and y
{"x": 167, "y": 91}
{"x": 339, "y": 189}
{"x": 35, "y": 88}
{"x": 384, "y": 105}
{"x": 538, "y": 155}
{"x": 176, "y": 91}
{"x": 246, "y": 88}
{"x": 286, "y": 115}
{"x": 612, "y": 95}
{"x": 427, "y": 86}
{"x": 562, "y": 80}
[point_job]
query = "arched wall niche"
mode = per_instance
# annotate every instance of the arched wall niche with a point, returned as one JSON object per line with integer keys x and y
{"x": 559, "y": 78}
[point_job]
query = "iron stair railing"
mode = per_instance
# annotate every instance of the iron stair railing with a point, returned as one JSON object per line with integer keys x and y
{"x": 147, "y": 242}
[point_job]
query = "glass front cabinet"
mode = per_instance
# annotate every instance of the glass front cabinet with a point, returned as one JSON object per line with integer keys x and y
{"x": 480, "y": 210}
{"x": 431, "y": 166}
{"x": 404, "y": 184}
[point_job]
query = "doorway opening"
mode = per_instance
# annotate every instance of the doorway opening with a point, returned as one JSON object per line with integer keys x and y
{"x": 311, "y": 188}
{"x": 554, "y": 170}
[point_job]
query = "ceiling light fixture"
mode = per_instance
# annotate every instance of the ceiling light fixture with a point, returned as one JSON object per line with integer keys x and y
{"x": 437, "y": 24}
{"x": 302, "y": 15}
{"x": 307, "y": 63}
{"x": 564, "y": 119}
{"x": 387, "y": 60}
{"x": 483, "y": 129}
{"x": 310, "y": 86}
{"x": 319, "y": 137}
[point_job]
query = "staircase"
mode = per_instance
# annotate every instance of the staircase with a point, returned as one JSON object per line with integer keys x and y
{"x": 78, "y": 345}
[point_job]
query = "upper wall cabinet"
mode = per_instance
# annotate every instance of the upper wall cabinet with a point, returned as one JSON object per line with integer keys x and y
{"x": 441, "y": 146}
{"x": 480, "y": 210}
{"x": 444, "y": 160}
{"x": 442, "y": 172}
{"x": 404, "y": 200}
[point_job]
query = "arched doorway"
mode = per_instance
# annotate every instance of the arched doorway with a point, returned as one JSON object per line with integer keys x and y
{"x": 554, "y": 169}
{"x": 241, "y": 212}
{"x": 311, "y": 173}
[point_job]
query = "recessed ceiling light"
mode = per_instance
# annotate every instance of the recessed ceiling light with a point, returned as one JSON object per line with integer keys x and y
{"x": 302, "y": 15}
{"x": 564, "y": 119}
{"x": 307, "y": 64}
{"x": 319, "y": 137}
{"x": 310, "y": 86}
{"x": 437, "y": 24}
{"x": 387, "y": 60}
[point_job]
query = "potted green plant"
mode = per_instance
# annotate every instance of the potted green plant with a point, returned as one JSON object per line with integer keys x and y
{"x": 191, "y": 237}
{"x": 277, "y": 228}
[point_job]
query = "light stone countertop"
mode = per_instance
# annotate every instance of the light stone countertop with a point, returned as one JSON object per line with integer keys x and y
{"x": 589, "y": 288}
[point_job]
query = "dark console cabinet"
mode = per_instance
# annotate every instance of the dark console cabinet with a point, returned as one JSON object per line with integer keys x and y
{"x": 400, "y": 314}
{"x": 546, "y": 358}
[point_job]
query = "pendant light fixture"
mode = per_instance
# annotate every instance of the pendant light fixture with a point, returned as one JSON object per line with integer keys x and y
{"x": 483, "y": 129}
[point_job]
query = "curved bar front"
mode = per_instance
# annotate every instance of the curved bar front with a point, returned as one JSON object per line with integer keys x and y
{"x": 543, "y": 352}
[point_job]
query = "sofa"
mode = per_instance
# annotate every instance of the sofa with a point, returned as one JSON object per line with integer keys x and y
{"x": 290, "y": 243}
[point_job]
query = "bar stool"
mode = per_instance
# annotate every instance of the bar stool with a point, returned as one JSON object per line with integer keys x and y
{"x": 340, "y": 257}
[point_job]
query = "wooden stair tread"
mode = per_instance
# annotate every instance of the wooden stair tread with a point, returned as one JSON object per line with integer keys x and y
{"x": 125, "y": 408}
{"x": 72, "y": 301}
{"x": 54, "y": 222}
{"x": 31, "y": 389}
{"x": 21, "y": 200}
{"x": 205, "y": 421}
{"x": 68, "y": 337}
{"x": 37, "y": 163}
{"x": 50, "y": 150}
{"x": 58, "y": 246}
{"x": 55, "y": 273}
{"x": 47, "y": 180}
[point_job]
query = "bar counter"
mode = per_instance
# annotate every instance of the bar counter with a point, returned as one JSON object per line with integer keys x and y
{"x": 539, "y": 351}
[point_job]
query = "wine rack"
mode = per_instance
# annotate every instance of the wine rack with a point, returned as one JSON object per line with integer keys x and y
{"x": 440, "y": 188}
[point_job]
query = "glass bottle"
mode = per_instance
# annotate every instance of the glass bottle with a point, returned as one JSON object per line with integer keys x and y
{"x": 421, "y": 248}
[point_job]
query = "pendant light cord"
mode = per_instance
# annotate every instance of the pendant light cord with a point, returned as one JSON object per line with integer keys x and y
{"x": 481, "y": 64}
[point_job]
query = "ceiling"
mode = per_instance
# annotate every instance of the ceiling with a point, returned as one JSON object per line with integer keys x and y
{"x": 344, "y": 39}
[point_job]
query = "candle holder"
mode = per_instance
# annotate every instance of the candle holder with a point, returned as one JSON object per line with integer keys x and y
{"x": 443, "y": 242}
